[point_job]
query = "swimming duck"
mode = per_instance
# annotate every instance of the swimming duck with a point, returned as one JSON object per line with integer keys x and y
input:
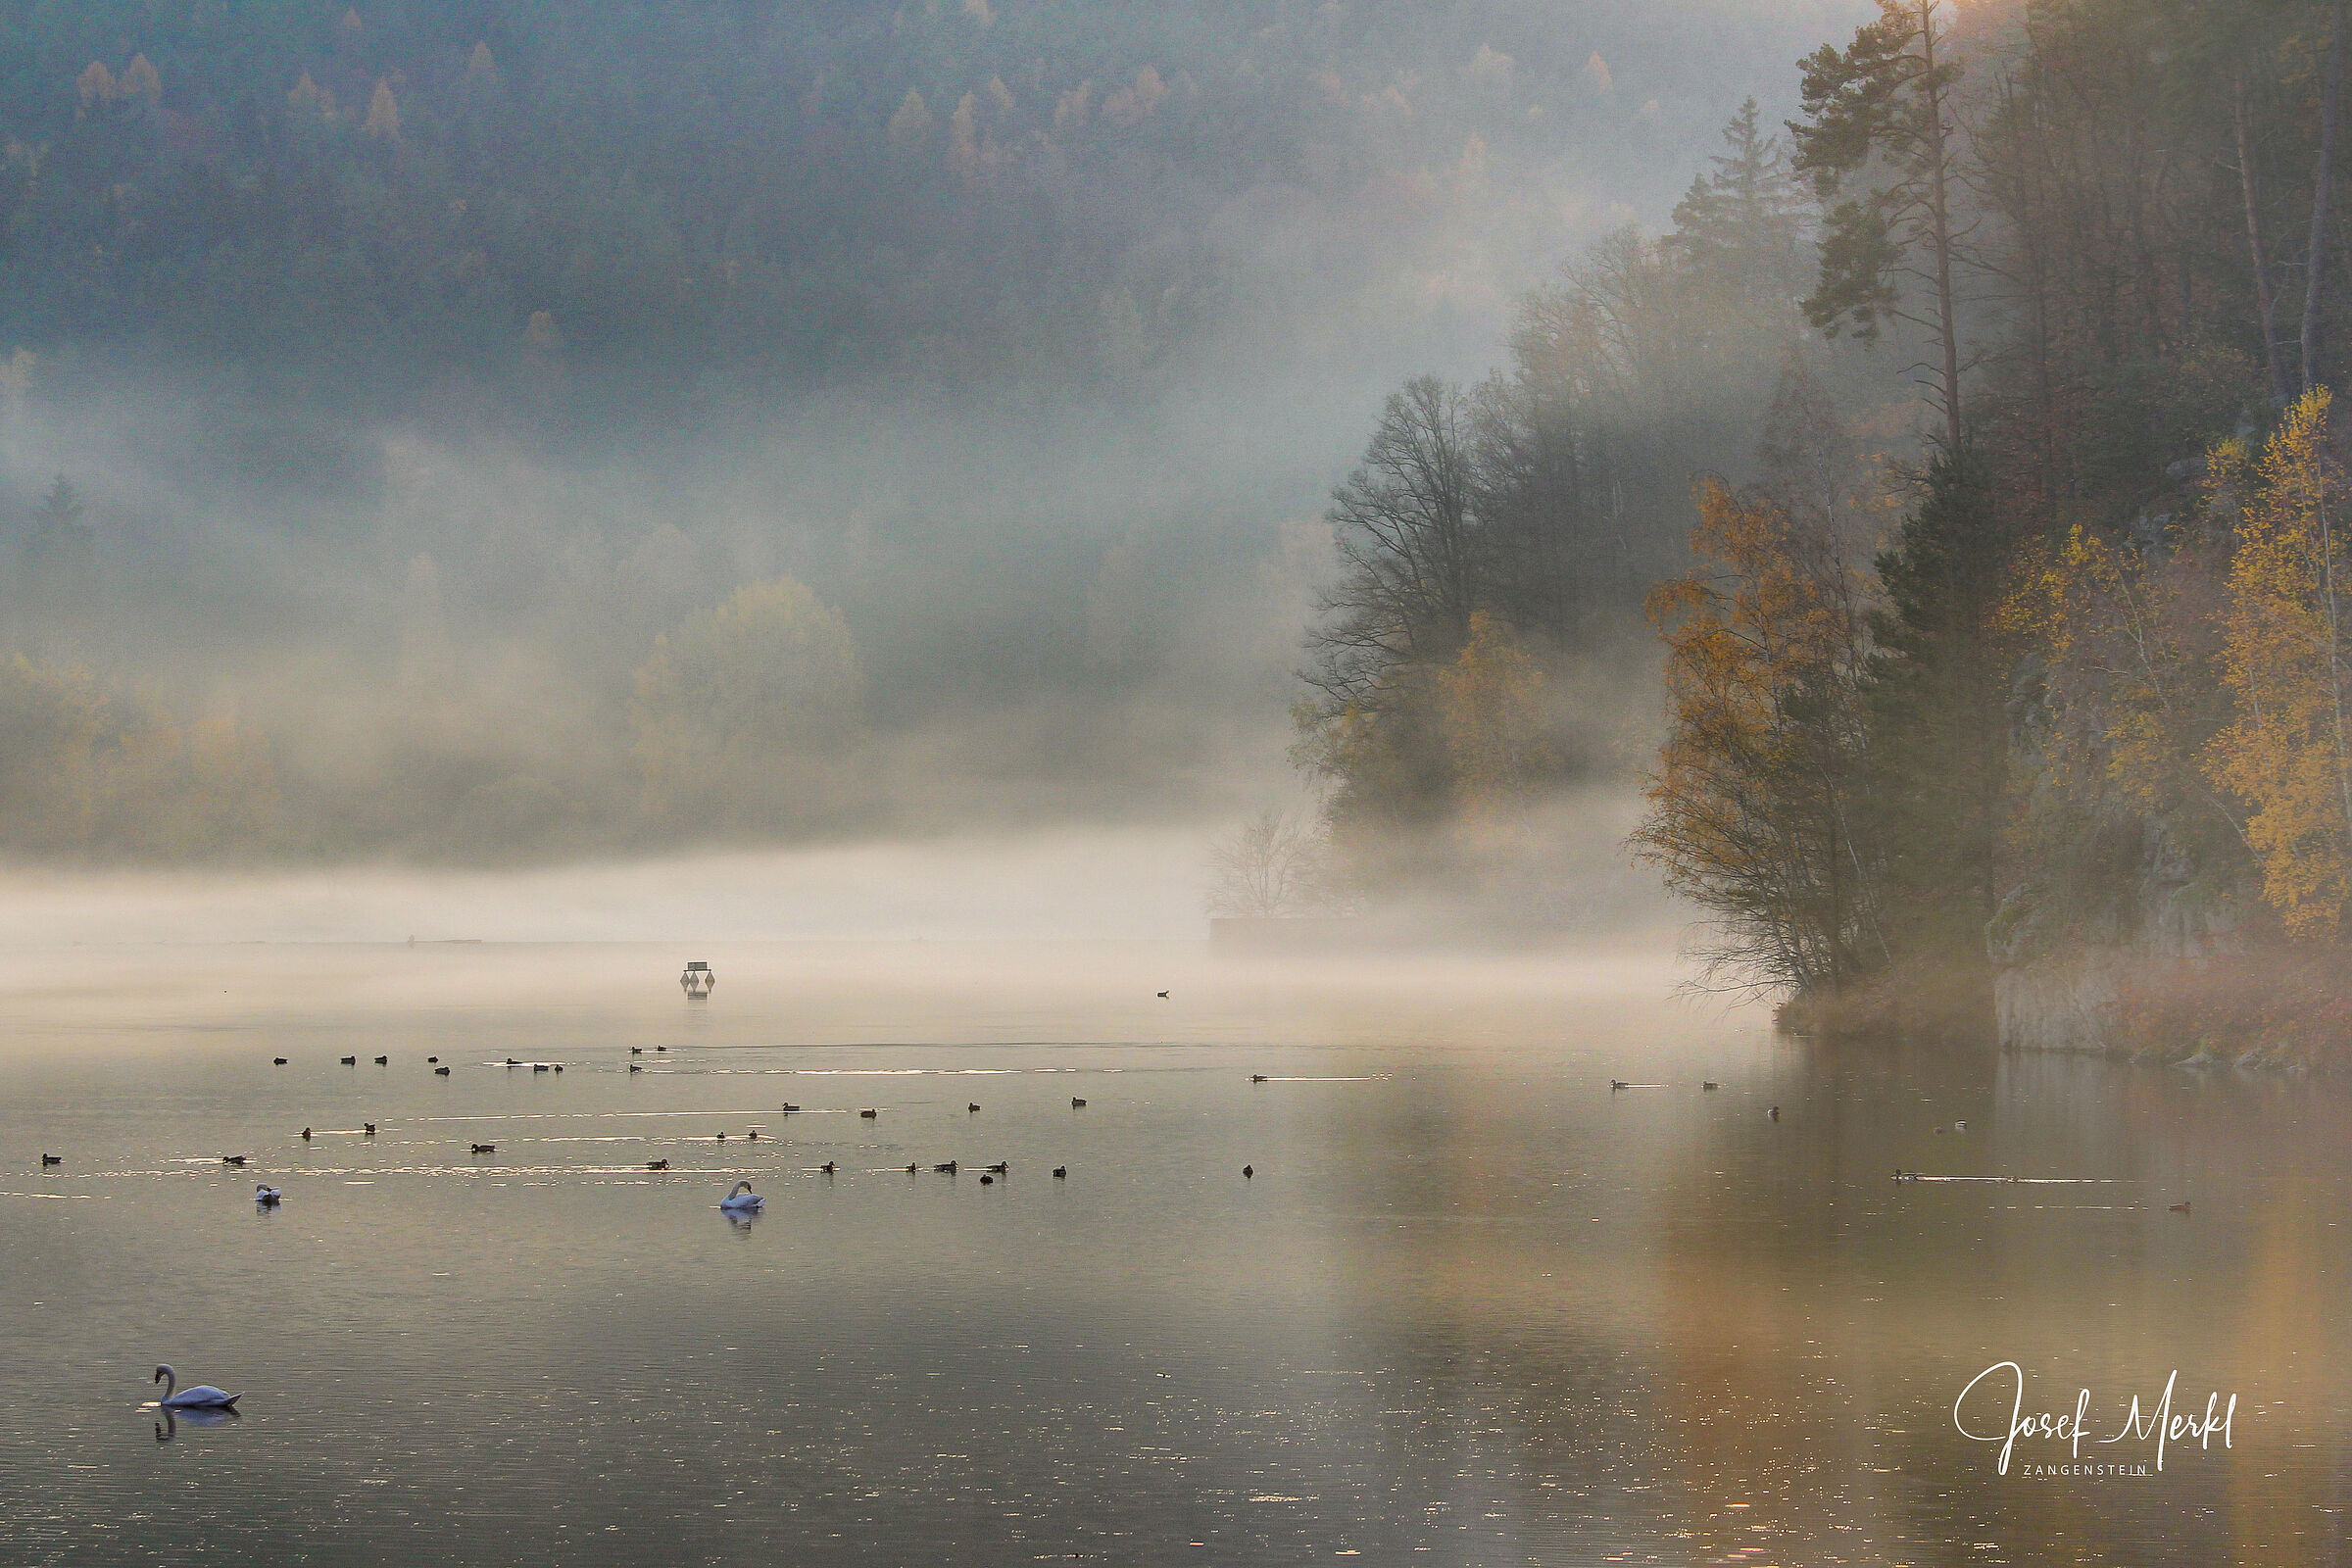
{"x": 429, "y": 1061}
{"x": 660, "y": 1049}
{"x": 909, "y": 1168}
{"x": 1001, "y": 1167}
{"x": 381, "y": 1062}
{"x": 636, "y": 1066}
{"x": 53, "y": 1159}
{"x": 232, "y": 1160}
{"x": 636, "y": 1051}
{"x": 826, "y": 1167}
{"x": 266, "y": 1194}
{"x": 1709, "y": 1082}
{"x": 789, "y": 1106}
{"x": 278, "y": 1061}
{"x": 440, "y": 1072}
{"x": 2178, "y": 1209}
{"x": 1062, "y": 1170}
{"x": 1619, "y": 1083}
{"x": 1163, "y": 996}
{"x": 512, "y": 1062}
{"x": 987, "y": 1181}
{"x": 1248, "y": 1171}
{"x": 485, "y": 1149}
{"x": 948, "y": 1169}
{"x": 305, "y": 1135}
{"x": 369, "y": 1128}
{"x": 538, "y": 1066}
{"x": 870, "y": 1115}
{"x": 972, "y": 1110}
{"x": 721, "y": 1137}
{"x": 656, "y": 1164}
{"x": 351, "y": 1061}
{"x": 1077, "y": 1103}
{"x": 1258, "y": 1077}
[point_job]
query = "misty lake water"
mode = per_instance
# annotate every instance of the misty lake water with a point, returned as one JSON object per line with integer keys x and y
{"x": 1475, "y": 1307}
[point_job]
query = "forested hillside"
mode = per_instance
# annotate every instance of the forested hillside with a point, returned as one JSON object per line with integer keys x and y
{"x": 2041, "y": 709}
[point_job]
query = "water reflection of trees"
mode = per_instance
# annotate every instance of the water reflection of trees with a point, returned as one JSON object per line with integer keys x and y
{"x": 1755, "y": 1351}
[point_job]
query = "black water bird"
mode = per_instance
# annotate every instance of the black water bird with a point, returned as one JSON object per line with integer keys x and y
{"x": 278, "y": 1061}
{"x": 870, "y": 1115}
{"x": 1248, "y": 1171}
{"x": 949, "y": 1169}
{"x": 635, "y": 1067}
{"x": 636, "y": 1051}
{"x": 440, "y": 1072}
{"x": 1061, "y": 1171}
{"x": 429, "y": 1061}
{"x": 1076, "y": 1103}
{"x": 2178, "y": 1209}
{"x": 987, "y": 1181}
{"x": 369, "y": 1127}
{"x": 538, "y": 1066}
{"x": 910, "y": 1168}
{"x": 826, "y": 1167}
{"x": 658, "y": 1049}
{"x": 351, "y": 1061}
{"x": 656, "y": 1164}
{"x": 232, "y": 1160}
{"x": 789, "y": 1106}
{"x": 1163, "y": 996}
{"x": 53, "y": 1159}
{"x": 752, "y": 1135}
{"x": 972, "y": 1110}
{"x": 559, "y": 1067}
{"x": 383, "y": 1061}
{"x": 1616, "y": 1084}
{"x": 1709, "y": 1082}
{"x": 720, "y": 1139}
{"x": 512, "y": 1062}
{"x": 1775, "y": 1114}
{"x": 485, "y": 1149}
{"x": 305, "y": 1135}
{"x": 1258, "y": 1077}
{"x": 1001, "y": 1167}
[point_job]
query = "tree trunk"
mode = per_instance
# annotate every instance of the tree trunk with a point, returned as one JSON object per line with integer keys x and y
{"x": 2323, "y": 188}
{"x": 1940, "y": 221}
{"x": 2264, "y": 305}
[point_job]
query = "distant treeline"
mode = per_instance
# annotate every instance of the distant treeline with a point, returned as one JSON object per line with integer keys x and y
{"x": 565, "y": 202}
{"x": 2076, "y": 671}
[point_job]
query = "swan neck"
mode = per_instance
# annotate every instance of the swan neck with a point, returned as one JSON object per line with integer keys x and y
{"x": 168, "y": 1378}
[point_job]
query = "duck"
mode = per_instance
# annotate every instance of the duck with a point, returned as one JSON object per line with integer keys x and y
{"x": 440, "y": 1072}
{"x": 870, "y": 1115}
{"x": 485, "y": 1149}
{"x": 972, "y": 1110}
{"x": 636, "y": 1051}
{"x": 1163, "y": 996}
{"x": 1709, "y": 1082}
{"x": 1248, "y": 1172}
{"x": 232, "y": 1160}
{"x": 743, "y": 1200}
{"x": 1902, "y": 1175}
{"x": 948, "y": 1169}
{"x": 305, "y": 1135}
{"x": 1077, "y": 1103}
{"x": 383, "y": 1061}
{"x": 202, "y": 1396}
{"x": 538, "y": 1066}
{"x": 987, "y": 1181}
{"x": 559, "y": 1067}
{"x": 351, "y": 1061}
{"x": 429, "y": 1061}
{"x": 1001, "y": 1167}
{"x": 266, "y": 1194}
{"x": 369, "y": 1128}
{"x": 910, "y": 1167}
{"x": 1061, "y": 1172}
{"x": 660, "y": 1049}
{"x": 656, "y": 1164}
{"x": 278, "y": 1061}
{"x": 788, "y": 1107}
{"x": 827, "y": 1168}
{"x": 2178, "y": 1209}
{"x": 1618, "y": 1083}
{"x": 512, "y": 1062}
{"x": 1258, "y": 1077}
{"x": 53, "y": 1159}
{"x": 636, "y": 1066}
{"x": 719, "y": 1139}
{"x": 752, "y": 1135}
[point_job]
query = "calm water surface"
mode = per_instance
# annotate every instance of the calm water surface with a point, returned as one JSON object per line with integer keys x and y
{"x": 1475, "y": 1307}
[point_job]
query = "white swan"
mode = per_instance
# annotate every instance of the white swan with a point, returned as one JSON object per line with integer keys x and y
{"x": 266, "y": 1194}
{"x": 202, "y": 1396}
{"x": 743, "y": 1200}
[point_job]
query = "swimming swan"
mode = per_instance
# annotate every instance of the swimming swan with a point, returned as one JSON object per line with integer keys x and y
{"x": 743, "y": 1200}
{"x": 266, "y": 1194}
{"x": 202, "y": 1396}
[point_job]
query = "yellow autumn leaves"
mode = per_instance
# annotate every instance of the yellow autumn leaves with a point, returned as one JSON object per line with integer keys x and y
{"x": 2286, "y": 663}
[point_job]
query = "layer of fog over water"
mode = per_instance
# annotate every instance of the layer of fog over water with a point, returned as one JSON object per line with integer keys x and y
{"x": 1473, "y": 1306}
